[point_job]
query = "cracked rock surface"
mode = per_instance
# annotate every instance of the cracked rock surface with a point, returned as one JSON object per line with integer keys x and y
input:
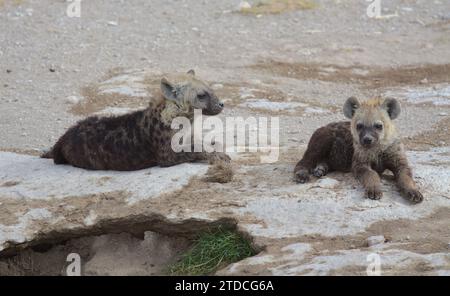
{"x": 110, "y": 61}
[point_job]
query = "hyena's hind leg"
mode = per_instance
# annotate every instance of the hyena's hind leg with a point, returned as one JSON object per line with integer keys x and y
{"x": 315, "y": 159}
{"x": 321, "y": 170}
{"x": 56, "y": 154}
{"x": 311, "y": 163}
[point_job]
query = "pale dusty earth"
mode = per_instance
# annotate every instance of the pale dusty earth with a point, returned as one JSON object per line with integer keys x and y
{"x": 299, "y": 66}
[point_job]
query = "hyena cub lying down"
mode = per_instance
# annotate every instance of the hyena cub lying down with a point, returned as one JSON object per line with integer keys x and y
{"x": 368, "y": 145}
{"x": 141, "y": 139}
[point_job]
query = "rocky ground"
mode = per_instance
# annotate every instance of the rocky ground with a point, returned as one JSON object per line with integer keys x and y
{"x": 299, "y": 66}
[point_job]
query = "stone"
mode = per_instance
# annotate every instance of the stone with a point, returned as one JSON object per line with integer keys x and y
{"x": 375, "y": 240}
{"x": 243, "y": 5}
{"x": 73, "y": 99}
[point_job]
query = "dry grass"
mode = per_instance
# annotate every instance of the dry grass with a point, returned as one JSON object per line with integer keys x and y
{"x": 13, "y": 2}
{"x": 278, "y": 6}
{"x": 220, "y": 172}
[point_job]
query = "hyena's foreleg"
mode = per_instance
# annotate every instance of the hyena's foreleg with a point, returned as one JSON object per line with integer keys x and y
{"x": 369, "y": 179}
{"x": 405, "y": 182}
{"x": 167, "y": 157}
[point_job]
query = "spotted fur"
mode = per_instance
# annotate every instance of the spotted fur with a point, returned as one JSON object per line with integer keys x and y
{"x": 367, "y": 146}
{"x": 140, "y": 139}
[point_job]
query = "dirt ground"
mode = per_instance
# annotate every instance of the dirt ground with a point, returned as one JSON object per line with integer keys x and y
{"x": 46, "y": 56}
{"x": 112, "y": 255}
{"x": 52, "y": 68}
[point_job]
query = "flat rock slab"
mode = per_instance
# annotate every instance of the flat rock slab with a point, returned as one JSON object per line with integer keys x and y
{"x": 317, "y": 228}
{"x": 323, "y": 227}
{"x": 36, "y": 194}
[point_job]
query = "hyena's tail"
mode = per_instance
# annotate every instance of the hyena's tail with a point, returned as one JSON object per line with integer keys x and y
{"x": 56, "y": 154}
{"x": 48, "y": 154}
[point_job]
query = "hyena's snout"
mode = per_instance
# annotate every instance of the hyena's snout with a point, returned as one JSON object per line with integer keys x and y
{"x": 215, "y": 107}
{"x": 368, "y": 139}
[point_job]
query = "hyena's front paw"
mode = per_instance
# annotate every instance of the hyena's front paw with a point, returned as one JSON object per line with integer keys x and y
{"x": 374, "y": 193}
{"x": 320, "y": 170}
{"x": 301, "y": 176}
{"x": 218, "y": 157}
{"x": 414, "y": 196}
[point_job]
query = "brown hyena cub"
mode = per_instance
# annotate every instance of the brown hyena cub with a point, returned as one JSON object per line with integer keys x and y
{"x": 368, "y": 145}
{"x": 141, "y": 139}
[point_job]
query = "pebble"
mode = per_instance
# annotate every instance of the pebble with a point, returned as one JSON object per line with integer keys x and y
{"x": 73, "y": 99}
{"x": 375, "y": 240}
{"x": 217, "y": 86}
{"x": 244, "y": 5}
{"x": 443, "y": 114}
{"x": 112, "y": 23}
{"x": 424, "y": 81}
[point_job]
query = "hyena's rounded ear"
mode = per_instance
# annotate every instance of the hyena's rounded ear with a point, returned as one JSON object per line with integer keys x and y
{"x": 168, "y": 90}
{"x": 392, "y": 107}
{"x": 191, "y": 72}
{"x": 350, "y": 106}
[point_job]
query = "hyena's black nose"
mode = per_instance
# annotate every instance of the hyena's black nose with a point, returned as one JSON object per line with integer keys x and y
{"x": 221, "y": 105}
{"x": 367, "y": 140}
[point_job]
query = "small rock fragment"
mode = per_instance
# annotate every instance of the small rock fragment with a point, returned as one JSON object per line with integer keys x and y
{"x": 73, "y": 99}
{"x": 375, "y": 240}
{"x": 244, "y": 5}
{"x": 217, "y": 86}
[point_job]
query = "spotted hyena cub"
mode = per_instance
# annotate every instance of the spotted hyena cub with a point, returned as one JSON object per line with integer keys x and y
{"x": 141, "y": 139}
{"x": 367, "y": 146}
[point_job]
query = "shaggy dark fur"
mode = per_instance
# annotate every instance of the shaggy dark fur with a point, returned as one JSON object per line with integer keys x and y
{"x": 330, "y": 149}
{"x": 141, "y": 139}
{"x": 368, "y": 145}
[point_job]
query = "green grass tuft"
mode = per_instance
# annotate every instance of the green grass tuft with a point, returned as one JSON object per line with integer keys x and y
{"x": 211, "y": 251}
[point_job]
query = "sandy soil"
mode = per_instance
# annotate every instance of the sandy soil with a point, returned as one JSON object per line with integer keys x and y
{"x": 38, "y": 36}
{"x": 112, "y": 255}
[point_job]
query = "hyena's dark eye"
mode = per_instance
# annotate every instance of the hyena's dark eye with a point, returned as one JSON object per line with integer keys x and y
{"x": 203, "y": 97}
{"x": 378, "y": 126}
{"x": 359, "y": 126}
